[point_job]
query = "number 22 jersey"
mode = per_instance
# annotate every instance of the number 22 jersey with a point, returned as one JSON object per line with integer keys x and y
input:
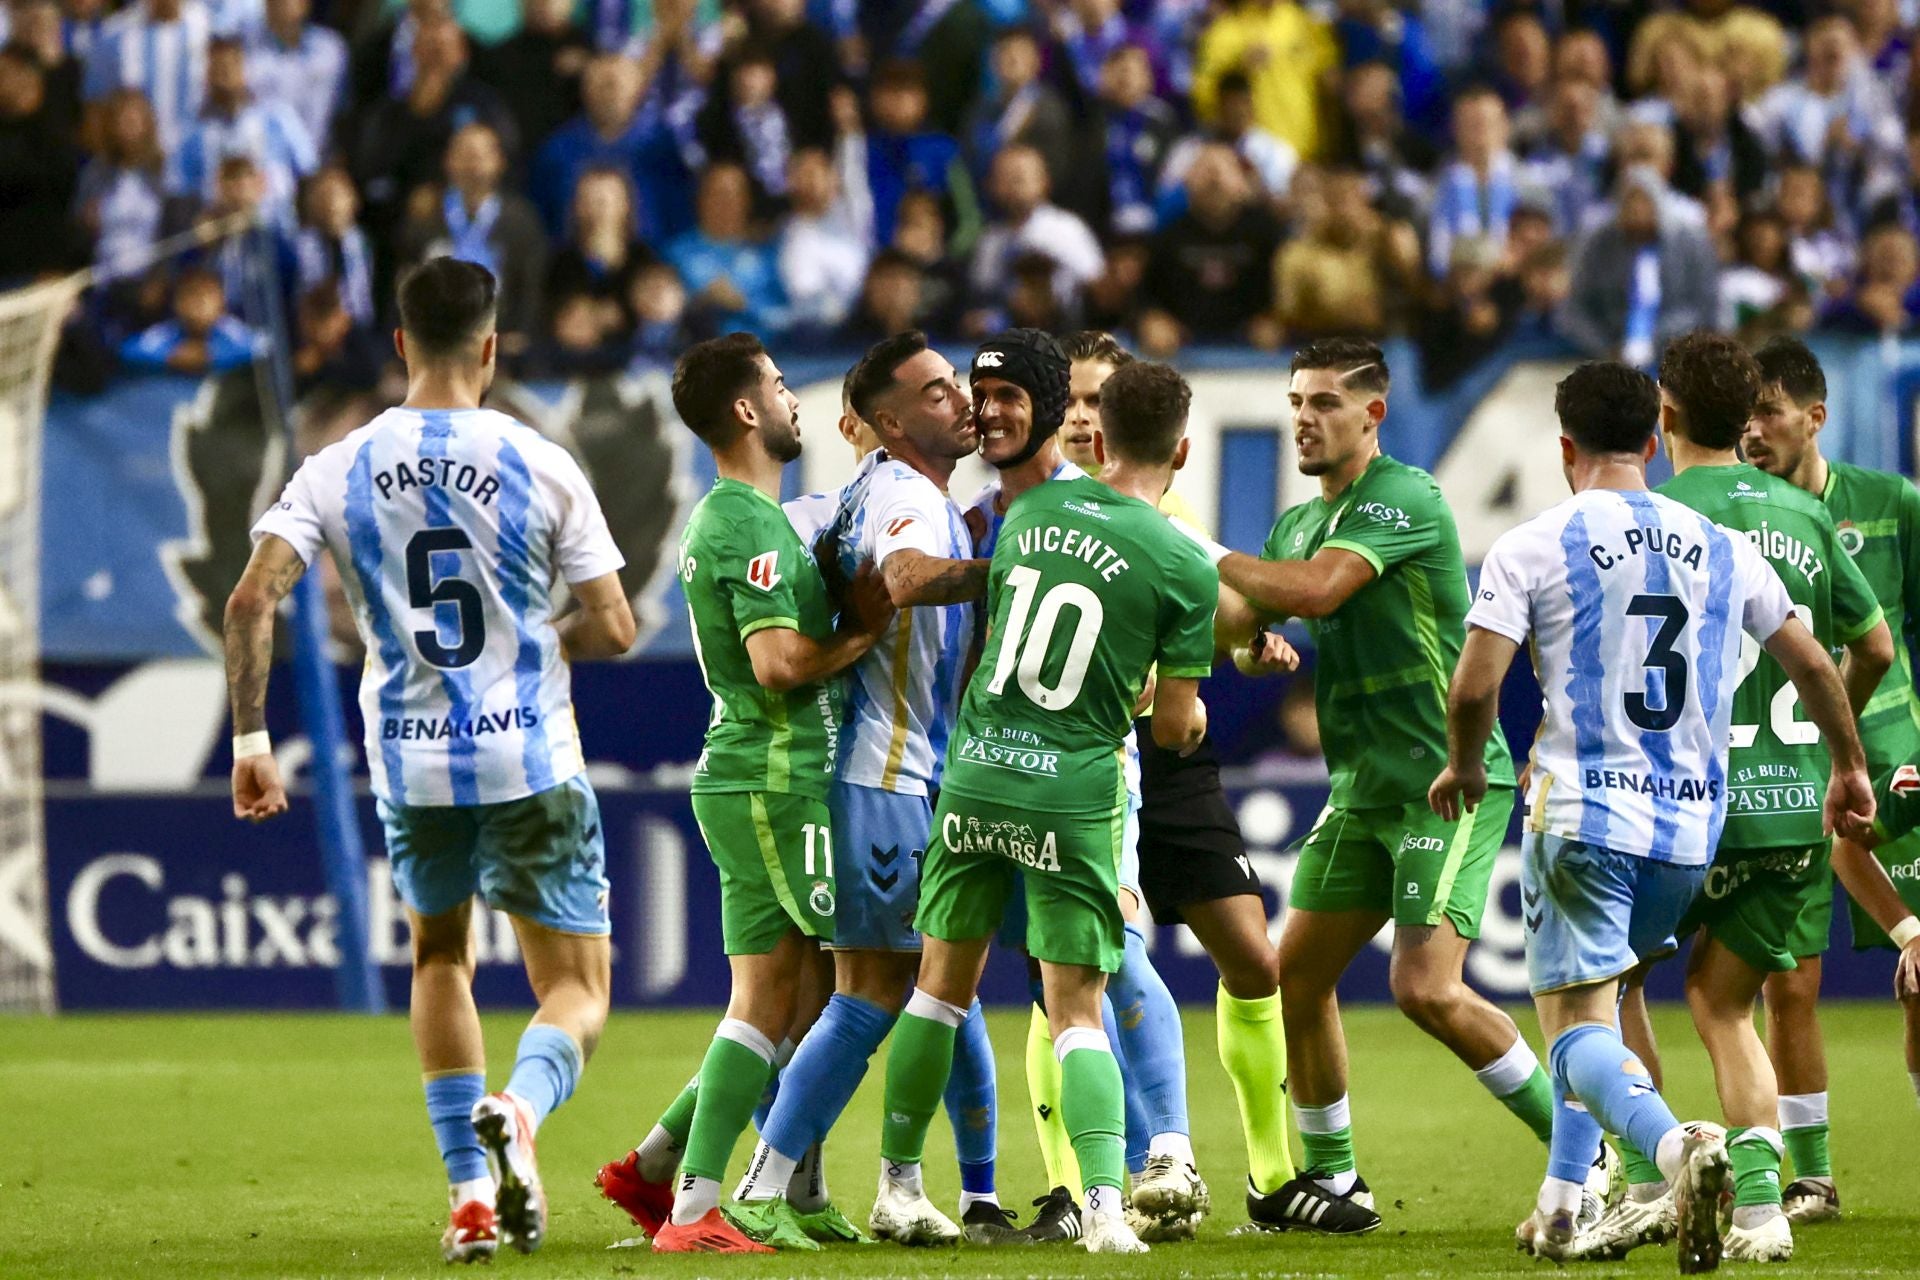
{"x": 449, "y": 527}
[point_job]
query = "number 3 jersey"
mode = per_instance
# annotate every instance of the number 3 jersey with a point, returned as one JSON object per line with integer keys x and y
{"x": 1635, "y": 606}
{"x": 1777, "y": 773}
{"x": 449, "y": 528}
{"x": 1088, "y": 589}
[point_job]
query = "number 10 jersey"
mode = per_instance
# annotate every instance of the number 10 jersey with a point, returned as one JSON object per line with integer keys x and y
{"x": 1635, "y": 607}
{"x": 449, "y": 528}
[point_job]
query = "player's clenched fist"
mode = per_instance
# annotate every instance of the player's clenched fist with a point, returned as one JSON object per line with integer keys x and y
{"x": 258, "y": 793}
{"x": 1456, "y": 789}
{"x": 868, "y": 606}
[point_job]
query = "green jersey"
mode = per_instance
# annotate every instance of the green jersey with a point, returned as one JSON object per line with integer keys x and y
{"x": 1088, "y": 589}
{"x": 1385, "y": 657}
{"x": 743, "y": 569}
{"x": 1878, "y": 518}
{"x": 1777, "y": 768}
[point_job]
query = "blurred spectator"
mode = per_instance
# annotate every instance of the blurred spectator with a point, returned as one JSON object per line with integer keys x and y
{"x": 1033, "y": 302}
{"x": 1714, "y": 149}
{"x": 536, "y": 71}
{"x": 37, "y": 25}
{"x": 1836, "y": 116}
{"x": 200, "y": 339}
{"x": 1271, "y": 160}
{"x": 330, "y": 246}
{"x": 1640, "y": 280}
{"x": 242, "y": 244}
{"x": 1022, "y": 109}
{"x": 39, "y": 172}
{"x": 1582, "y": 54}
{"x": 1821, "y": 252}
{"x": 685, "y": 29}
{"x": 330, "y": 349}
{"x": 235, "y": 123}
{"x": 160, "y": 48}
{"x": 744, "y": 124}
{"x": 1568, "y": 162}
{"x": 1089, "y": 32}
{"x": 1376, "y": 140}
{"x": 1886, "y": 300}
{"x": 300, "y": 65}
{"x": 1395, "y": 37}
{"x": 1476, "y": 193}
{"x": 580, "y": 341}
{"x": 1545, "y": 286}
{"x": 891, "y": 301}
{"x": 1648, "y": 145}
{"x": 1174, "y": 28}
{"x": 1028, "y": 225}
{"x": 1286, "y": 53}
{"x": 1209, "y": 275}
{"x": 403, "y": 141}
{"x": 1886, "y": 40}
{"x": 825, "y": 240}
{"x": 610, "y": 132}
{"x": 1760, "y": 293}
{"x": 662, "y": 327}
{"x": 1523, "y": 66}
{"x": 1347, "y": 267}
{"x": 904, "y": 155}
{"x": 1140, "y": 131}
{"x": 920, "y": 232}
{"x": 382, "y": 63}
{"x": 947, "y": 43}
{"x": 602, "y": 255}
{"x": 803, "y": 58}
{"x": 1746, "y": 43}
{"x": 734, "y": 277}
{"x": 474, "y": 220}
{"x": 122, "y": 198}
{"x": 1470, "y": 315}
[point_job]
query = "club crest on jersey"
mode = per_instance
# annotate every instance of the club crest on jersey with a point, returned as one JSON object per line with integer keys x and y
{"x": 1906, "y": 780}
{"x": 1851, "y": 539}
{"x": 763, "y": 571}
{"x": 821, "y": 899}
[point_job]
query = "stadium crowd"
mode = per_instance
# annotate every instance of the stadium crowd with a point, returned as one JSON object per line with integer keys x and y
{"x": 828, "y": 172}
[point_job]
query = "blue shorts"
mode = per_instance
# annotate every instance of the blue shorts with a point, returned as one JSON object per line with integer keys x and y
{"x": 1591, "y": 914}
{"x": 879, "y": 840}
{"x": 541, "y": 858}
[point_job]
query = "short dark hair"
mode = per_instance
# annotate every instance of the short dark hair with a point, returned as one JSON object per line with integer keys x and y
{"x": 445, "y": 304}
{"x": 1143, "y": 411}
{"x": 1096, "y": 344}
{"x": 900, "y": 73}
{"x": 873, "y": 376}
{"x": 1607, "y": 407}
{"x": 1788, "y": 361}
{"x": 1233, "y": 82}
{"x": 709, "y": 377}
{"x": 1360, "y": 362}
{"x": 1716, "y": 383}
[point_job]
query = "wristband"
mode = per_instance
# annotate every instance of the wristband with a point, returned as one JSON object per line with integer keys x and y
{"x": 1904, "y": 932}
{"x": 248, "y": 745}
{"x": 1215, "y": 552}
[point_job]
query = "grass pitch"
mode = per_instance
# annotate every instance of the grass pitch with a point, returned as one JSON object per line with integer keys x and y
{"x": 298, "y": 1146}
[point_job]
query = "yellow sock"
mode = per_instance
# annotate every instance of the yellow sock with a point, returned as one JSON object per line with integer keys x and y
{"x": 1253, "y": 1048}
{"x": 1043, "y": 1086}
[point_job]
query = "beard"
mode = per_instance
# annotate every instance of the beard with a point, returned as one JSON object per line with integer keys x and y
{"x": 781, "y": 440}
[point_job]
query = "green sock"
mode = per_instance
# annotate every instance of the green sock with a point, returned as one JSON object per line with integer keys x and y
{"x": 1253, "y": 1049}
{"x": 1326, "y": 1136}
{"x": 917, "y": 1070}
{"x": 1641, "y": 1170}
{"x": 1755, "y": 1156}
{"x": 1807, "y": 1148}
{"x": 1043, "y": 1087}
{"x": 677, "y": 1119}
{"x": 1095, "y": 1103}
{"x": 1533, "y": 1103}
{"x": 732, "y": 1078}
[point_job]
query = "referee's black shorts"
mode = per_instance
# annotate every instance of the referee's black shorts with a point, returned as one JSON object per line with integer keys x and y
{"x": 1190, "y": 845}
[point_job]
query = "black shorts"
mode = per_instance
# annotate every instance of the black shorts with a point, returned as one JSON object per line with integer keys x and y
{"x": 1190, "y": 845}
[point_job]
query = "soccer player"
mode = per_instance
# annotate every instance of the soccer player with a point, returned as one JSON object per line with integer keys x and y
{"x": 768, "y": 648}
{"x": 449, "y": 523}
{"x": 1089, "y": 588}
{"x": 1374, "y": 567}
{"x": 1634, "y": 607}
{"x": 1192, "y": 864}
{"x": 897, "y": 514}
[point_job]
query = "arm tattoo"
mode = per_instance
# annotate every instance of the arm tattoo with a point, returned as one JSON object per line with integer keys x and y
{"x": 924, "y": 579}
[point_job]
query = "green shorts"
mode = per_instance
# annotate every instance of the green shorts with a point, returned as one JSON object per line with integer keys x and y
{"x": 1405, "y": 861}
{"x": 1901, "y": 858}
{"x": 1067, "y": 866}
{"x": 1768, "y": 906}
{"x": 775, "y": 855}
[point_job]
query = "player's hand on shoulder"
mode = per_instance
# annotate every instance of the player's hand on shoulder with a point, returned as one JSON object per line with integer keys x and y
{"x": 258, "y": 793}
{"x": 1457, "y": 791}
{"x": 868, "y": 605}
{"x": 1850, "y": 805}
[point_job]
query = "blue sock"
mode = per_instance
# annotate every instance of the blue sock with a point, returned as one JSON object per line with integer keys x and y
{"x": 450, "y": 1102}
{"x": 971, "y": 1104}
{"x": 1576, "y": 1136}
{"x": 545, "y": 1069}
{"x": 826, "y": 1069}
{"x": 1150, "y": 1031}
{"x": 1594, "y": 1065}
{"x": 1139, "y": 1131}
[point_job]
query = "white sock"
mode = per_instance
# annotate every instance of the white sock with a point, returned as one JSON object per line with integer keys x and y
{"x": 1104, "y": 1201}
{"x": 767, "y": 1175}
{"x": 1331, "y": 1118}
{"x": 1802, "y": 1110}
{"x": 659, "y": 1155}
{"x": 905, "y": 1176}
{"x": 1914, "y": 1078}
{"x": 1748, "y": 1216}
{"x": 460, "y": 1193}
{"x": 968, "y": 1199}
{"x": 696, "y": 1199}
{"x": 1510, "y": 1071}
{"x": 922, "y": 1005}
{"x": 1557, "y": 1195}
{"x": 807, "y": 1189}
{"x": 1666, "y": 1153}
{"x": 1177, "y": 1145}
{"x": 1339, "y": 1183}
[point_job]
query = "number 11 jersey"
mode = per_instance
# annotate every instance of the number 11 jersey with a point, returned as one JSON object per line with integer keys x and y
{"x": 449, "y": 527}
{"x": 1635, "y": 607}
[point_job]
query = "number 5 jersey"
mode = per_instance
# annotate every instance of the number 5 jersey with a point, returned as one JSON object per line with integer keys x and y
{"x": 449, "y": 528}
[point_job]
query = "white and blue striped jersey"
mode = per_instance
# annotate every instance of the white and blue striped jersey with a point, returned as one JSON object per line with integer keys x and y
{"x": 270, "y": 134}
{"x": 449, "y": 528}
{"x": 1635, "y": 606}
{"x": 166, "y": 61}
